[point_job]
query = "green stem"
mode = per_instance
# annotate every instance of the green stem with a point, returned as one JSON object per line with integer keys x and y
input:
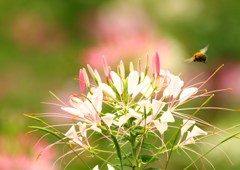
{"x": 134, "y": 147}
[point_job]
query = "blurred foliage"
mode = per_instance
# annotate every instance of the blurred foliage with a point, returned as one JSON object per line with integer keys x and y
{"x": 197, "y": 23}
{"x": 41, "y": 43}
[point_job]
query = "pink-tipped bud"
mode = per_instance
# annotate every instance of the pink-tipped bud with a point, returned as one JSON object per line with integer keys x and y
{"x": 157, "y": 64}
{"x": 108, "y": 74}
{"x": 106, "y": 69}
{"x": 86, "y": 79}
{"x": 105, "y": 66}
{"x": 81, "y": 81}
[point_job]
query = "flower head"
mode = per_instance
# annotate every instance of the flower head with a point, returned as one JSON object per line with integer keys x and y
{"x": 134, "y": 98}
{"x": 127, "y": 109}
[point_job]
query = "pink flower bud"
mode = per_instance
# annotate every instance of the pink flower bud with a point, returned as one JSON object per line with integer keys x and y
{"x": 81, "y": 81}
{"x": 157, "y": 64}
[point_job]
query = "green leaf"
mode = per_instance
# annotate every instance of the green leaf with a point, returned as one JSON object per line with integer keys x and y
{"x": 118, "y": 149}
{"x": 149, "y": 158}
{"x": 46, "y": 130}
{"x": 148, "y": 146}
{"x": 139, "y": 128}
{"x": 153, "y": 169}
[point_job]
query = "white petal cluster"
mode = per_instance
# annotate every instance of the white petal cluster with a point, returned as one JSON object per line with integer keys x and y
{"x": 186, "y": 125}
{"x": 174, "y": 87}
{"x": 196, "y": 131}
{"x": 147, "y": 101}
{"x": 139, "y": 116}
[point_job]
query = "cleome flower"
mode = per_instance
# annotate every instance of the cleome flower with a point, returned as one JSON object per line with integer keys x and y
{"x": 139, "y": 110}
{"x": 139, "y": 99}
{"x": 135, "y": 96}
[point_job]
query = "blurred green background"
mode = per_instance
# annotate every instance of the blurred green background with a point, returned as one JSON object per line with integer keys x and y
{"x": 43, "y": 44}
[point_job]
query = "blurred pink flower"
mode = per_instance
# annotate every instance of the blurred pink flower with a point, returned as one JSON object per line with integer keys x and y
{"x": 122, "y": 32}
{"x": 130, "y": 47}
{"x": 23, "y": 160}
{"x": 229, "y": 78}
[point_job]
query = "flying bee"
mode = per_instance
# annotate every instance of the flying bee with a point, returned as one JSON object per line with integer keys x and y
{"x": 199, "y": 56}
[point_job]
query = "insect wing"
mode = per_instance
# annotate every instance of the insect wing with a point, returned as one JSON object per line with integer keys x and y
{"x": 204, "y": 50}
{"x": 189, "y": 60}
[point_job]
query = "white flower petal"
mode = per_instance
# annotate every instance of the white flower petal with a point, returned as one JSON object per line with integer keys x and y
{"x": 138, "y": 89}
{"x": 167, "y": 117}
{"x": 148, "y": 120}
{"x": 144, "y": 105}
{"x": 82, "y": 128}
{"x": 110, "y": 167}
{"x": 189, "y": 139}
{"x": 196, "y": 131}
{"x": 95, "y": 168}
{"x": 97, "y": 76}
{"x": 72, "y": 134}
{"x": 144, "y": 87}
{"x": 95, "y": 128}
{"x": 147, "y": 89}
{"x": 174, "y": 87}
{"x": 75, "y": 101}
{"x": 87, "y": 108}
{"x": 186, "y": 93}
{"x": 133, "y": 79}
{"x": 164, "y": 72}
{"x": 108, "y": 90}
{"x": 108, "y": 119}
{"x": 186, "y": 125}
{"x": 73, "y": 111}
{"x": 157, "y": 106}
{"x": 117, "y": 82}
{"x": 161, "y": 126}
{"x": 177, "y": 86}
{"x": 135, "y": 114}
{"x": 122, "y": 120}
{"x": 96, "y": 99}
